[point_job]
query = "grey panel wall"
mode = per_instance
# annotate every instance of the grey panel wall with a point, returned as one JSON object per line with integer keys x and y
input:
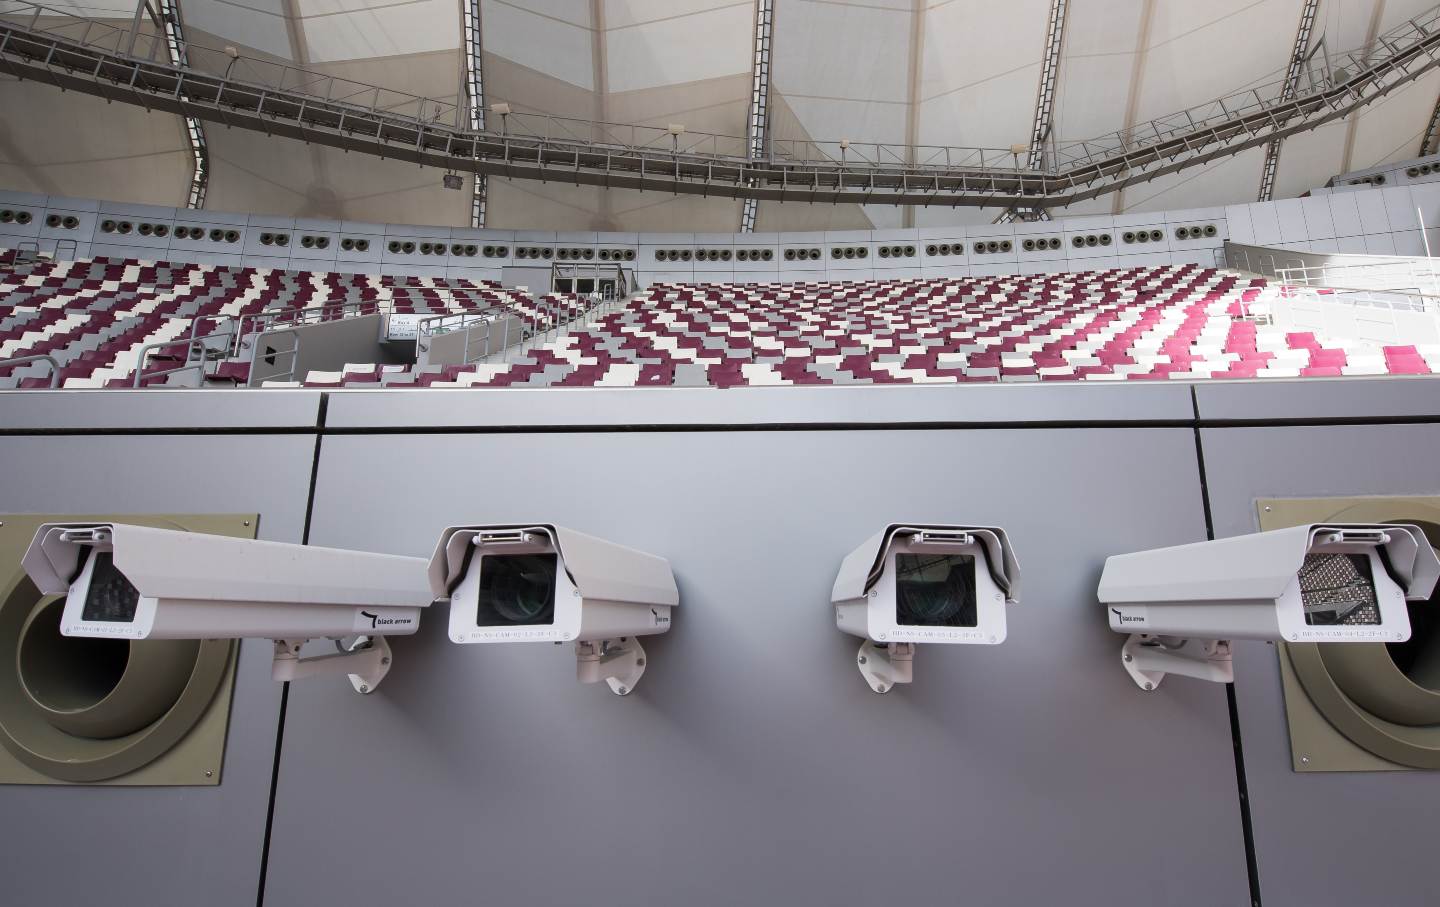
{"x": 76, "y": 845}
{"x": 1379, "y": 824}
{"x": 752, "y": 764}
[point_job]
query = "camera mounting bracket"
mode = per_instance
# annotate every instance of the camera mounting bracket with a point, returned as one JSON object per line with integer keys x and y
{"x": 884, "y": 665}
{"x": 366, "y": 659}
{"x": 619, "y": 662}
{"x": 1148, "y": 659}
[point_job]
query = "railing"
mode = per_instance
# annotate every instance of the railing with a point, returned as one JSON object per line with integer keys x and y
{"x": 1402, "y": 275}
{"x": 596, "y": 271}
{"x": 1383, "y": 317}
{"x": 449, "y": 323}
{"x": 277, "y": 98}
{"x": 260, "y": 322}
{"x": 26, "y": 360}
{"x": 196, "y": 355}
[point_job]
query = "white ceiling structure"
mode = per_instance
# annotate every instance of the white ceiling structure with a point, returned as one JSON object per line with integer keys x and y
{"x": 927, "y": 72}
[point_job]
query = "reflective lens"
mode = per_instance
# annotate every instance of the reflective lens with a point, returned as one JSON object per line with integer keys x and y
{"x": 111, "y": 598}
{"x": 1338, "y": 589}
{"x": 935, "y": 590}
{"x": 517, "y": 589}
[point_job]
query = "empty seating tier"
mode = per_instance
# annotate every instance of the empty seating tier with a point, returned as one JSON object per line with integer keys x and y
{"x": 1164, "y": 323}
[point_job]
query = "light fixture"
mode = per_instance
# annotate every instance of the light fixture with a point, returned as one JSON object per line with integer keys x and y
{"x": 452, "y": 181}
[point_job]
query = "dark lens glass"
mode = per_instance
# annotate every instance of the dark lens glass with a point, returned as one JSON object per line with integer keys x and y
{"x": 1338, "y": 589}
{"x": 516, "y": 590}
{"x": 111, "y": 597}
{"x": 935, "y": 590}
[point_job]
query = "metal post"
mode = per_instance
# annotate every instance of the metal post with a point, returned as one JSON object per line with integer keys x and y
{"x": 134, "y": 26}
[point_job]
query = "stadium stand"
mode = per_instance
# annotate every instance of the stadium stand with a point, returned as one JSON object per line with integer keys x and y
{"x": 96, "y": 318}
{"x": 1182, "y": 322}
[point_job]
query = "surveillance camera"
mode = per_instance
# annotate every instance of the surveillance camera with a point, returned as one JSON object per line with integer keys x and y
{"x": 915, "y": 583}
{"x": 1339, "y": 582}
{"x": 545, "y": 583}
{"x": 136, "y": 582}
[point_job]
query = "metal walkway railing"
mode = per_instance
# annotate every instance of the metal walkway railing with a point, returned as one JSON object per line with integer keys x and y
{"x": 54, "y": 46}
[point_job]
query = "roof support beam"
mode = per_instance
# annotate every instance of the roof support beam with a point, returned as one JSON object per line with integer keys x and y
{"x": 285, "y": 100}
{"x": 1299, "y": 56}
{"x": 1431, "y": 145}
{"x": 758, "y": 128}
{"x": 1137, "y": 81}
{"x": 475, "y": 97}
{"x": 169, "y": 15}
{"x": 912, "y": 108}
{"x": 1043, "y": 129}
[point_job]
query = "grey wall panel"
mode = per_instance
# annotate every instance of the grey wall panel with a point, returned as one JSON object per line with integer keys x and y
{"x": 948, "y": 404}
{"x": 38, "y": 410}
{"x": 1379, "y": 823}
{"x": 1315, "y": 399}
{"x": 79, "y": 845}
{"x": 752, "y": 764}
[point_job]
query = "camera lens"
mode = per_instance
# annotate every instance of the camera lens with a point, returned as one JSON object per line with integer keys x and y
{"x": 111, "y": 598}
{"x": 935, "y": 590}
{"x": 517, "y": 589}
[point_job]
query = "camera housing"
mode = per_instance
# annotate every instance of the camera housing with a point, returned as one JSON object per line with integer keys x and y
{"x": 136, "y": 582}
{"x": 540, "y": 582}
{"x": 923, "y": 583}
{"x": 1331, "y": 583}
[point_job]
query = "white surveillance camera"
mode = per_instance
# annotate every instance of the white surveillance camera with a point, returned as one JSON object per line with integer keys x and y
{"x": 136, "y": 582}
{"x": 1336, "y": 582}
{"x": 545, "y": 583}
{"x": 916, "y": 583}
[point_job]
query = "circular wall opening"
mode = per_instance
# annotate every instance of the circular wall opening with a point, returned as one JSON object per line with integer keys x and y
{"x": 64, "y": 673}
{"x": 1418, "y": 658}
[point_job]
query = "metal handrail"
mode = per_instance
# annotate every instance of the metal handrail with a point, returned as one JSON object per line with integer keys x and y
{"x": 25, "y": 360}
{"x": 191, "y": 344}
{"x": 283, "y": 99}
{"x": 260, "y": 322}
{"x": 463, "y": 321}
